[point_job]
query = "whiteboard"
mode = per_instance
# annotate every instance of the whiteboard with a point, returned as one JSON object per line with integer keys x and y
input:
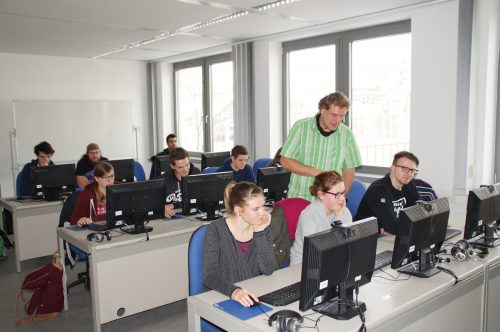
{"x": 69, "y": 125}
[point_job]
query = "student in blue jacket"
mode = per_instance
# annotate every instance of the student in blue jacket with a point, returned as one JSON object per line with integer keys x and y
{"x": 238, "y": 164}
{"x": 43, "y": 152}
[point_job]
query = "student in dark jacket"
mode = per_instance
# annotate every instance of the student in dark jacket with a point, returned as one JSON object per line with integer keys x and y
{"x": 91, "y": 203}
{"x": 179, "y": 162}
{"x": 386, "y": 197}
{"x": 85, "y": 166}
{"x": 237, "y": 163}
{"x": 171, "y": 141}
{"x": 43, "y": 152}
{"x": 240, "y": 246}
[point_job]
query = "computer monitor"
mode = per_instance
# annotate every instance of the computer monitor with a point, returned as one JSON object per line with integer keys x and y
{"x": 161, "y": 164}
{"x": 213, "y": 158}
{"x": 205, "y": 193}
{"x": 124, "y": 169}
{"x": 274, "y": 182}
{"x": 131, "y": 205}
{"x": 334, "y": 263}
{"x": 421, "y": 230}
{"x": 53, "y": 181}
{"x": 483, "y": 213}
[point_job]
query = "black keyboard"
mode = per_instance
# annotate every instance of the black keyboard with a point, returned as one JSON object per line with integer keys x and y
{"x": 98, "y": 227}
{"x": 282, "y": 296}
{"x": 383, "y": 259}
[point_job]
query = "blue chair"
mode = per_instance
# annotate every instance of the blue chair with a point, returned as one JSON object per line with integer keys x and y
{"x": 259, "y": 163}
{"x": 208, "y": 170}
{"x": 139, "y": 173}
{"x": 195, "y": 267}
{"x": 355, "y": 195}
{"x": 18, "y": 184}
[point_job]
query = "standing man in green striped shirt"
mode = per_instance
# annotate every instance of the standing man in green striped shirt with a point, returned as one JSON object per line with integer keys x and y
{"x": 321, "y": 143}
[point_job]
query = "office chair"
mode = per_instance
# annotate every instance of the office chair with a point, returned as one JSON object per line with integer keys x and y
{"x": 139, "y": 173}
{"x": 355, "y": 195}
{"x": 292, "y": 208}
{"x": 210, "y": 169}
{"x": 424, "y": 191}
{"x": 18, "y": 184}
{"x": 83, "y": 277}
{"x": 259, "y": 163}
{"x": 195, "y": 268}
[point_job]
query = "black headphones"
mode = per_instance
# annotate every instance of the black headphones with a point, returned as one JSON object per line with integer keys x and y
{"x": 99, "y": 237}
{"x": 286, "y": 320}
{"x": 459, "y": 250}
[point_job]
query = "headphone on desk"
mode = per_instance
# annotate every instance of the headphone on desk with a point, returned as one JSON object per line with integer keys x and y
{"x": 99, "y": 237}
{"x": 462, "y": 251}
{"x": 286, "y": 320}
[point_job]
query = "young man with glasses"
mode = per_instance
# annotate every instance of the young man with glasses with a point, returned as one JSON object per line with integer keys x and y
{"x": 328, "y": 208}
{"x": 385, "y": 197}
{"x": 321, "y": 143}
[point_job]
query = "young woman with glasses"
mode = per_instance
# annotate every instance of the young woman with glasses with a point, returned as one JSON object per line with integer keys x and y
{"x": 91, "y": 203}
{"x": 328, "y": 206}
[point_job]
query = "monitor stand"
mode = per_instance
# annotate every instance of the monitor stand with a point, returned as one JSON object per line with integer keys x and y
{"x": 488, "y": 240}
{"x": 138, "y": 227}
{"x": 211, "y": 212}
{"x": 423, "y": 268}
{"x": 342, "y": 308}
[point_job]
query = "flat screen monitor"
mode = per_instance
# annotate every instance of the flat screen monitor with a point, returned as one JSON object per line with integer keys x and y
{"x": 131, "y": 205}
{"x": 52, "y": 182}
{"x": 204, "y": 193}
{"x": 213, "y": 158}
{"x": 124, "y": 169}
{"x": 274, "y": 182}
{"x": 334, "y": 263}
{"x": 483, "y": 213}
{"x": 161, "y": 165}
{"x": 421, "y": 230}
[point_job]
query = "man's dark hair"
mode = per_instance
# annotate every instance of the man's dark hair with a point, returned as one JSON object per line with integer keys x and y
{"x": 44, "y": 147}
{"x": 177, "y": 154}
{"x": 335, "y": 98}
{"x": 170, "y": 136}
{"x": 239, "y": 150}
{"x": 404, "y": 154}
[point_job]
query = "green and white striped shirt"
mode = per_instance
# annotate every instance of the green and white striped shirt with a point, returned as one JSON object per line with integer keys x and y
{"x": 305, "y": 144}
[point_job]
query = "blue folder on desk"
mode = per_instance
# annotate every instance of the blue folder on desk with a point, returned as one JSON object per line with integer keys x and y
{"x": 243, "y": 313}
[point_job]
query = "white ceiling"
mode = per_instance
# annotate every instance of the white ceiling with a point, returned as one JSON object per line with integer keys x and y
{"x": 89, "y": 28}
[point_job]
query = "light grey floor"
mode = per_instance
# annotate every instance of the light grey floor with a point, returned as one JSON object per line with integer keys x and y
{"x": 172, "y": 317}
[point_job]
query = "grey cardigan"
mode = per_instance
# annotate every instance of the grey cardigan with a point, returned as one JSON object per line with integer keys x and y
{"x": 224, "y": 263}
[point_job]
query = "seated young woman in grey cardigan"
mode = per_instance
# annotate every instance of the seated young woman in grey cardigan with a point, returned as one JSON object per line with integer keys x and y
{"x": 329, "y": 205}
{"x": 240, "y": 246}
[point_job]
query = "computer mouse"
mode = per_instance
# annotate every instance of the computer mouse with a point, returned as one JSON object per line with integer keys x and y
{"x": 254, "y": 304}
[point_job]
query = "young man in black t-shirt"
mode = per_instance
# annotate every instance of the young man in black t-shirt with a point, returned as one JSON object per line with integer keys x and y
{"x": 179, "y": 162}
{"x": 386, "y": 197}
{"x": 85, "y": 167}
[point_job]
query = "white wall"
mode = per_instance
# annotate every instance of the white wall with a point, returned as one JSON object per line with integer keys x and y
{"x": 43, "y": 77}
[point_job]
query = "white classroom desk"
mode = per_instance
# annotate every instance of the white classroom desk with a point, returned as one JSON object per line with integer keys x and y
{"x": 433, "y": 304}
{"x": 34, "y": 225}
{"x": 131, "y": 274}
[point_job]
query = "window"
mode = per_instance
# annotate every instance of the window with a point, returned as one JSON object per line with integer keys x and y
{"x": 373, "y": 67}
{"x": 204, "y": 104}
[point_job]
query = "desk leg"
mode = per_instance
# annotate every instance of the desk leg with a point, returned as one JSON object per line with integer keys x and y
{"x": 17, "y": 243}
{"x": 62, "y": 254}
{"x": 93, "y": 291}
{"x": 194, "y": 320}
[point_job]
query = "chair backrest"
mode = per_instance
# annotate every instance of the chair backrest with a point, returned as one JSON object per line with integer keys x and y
{"x": 424, "y": 191}
{"x": 210, "y": 169}
{"x": 18, "y": 184}
{"x": 68, "y": 207}
{"x": 139, "y": 173}
{"x": 259, "y": 163}
{"x": 355, "y": 195}
{"x": 195, "y": 262}
{"x": 292, "y": 208}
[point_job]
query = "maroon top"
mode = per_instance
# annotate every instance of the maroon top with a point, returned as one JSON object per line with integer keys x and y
{"x": 86, "y": 206}
{"x": 244, "y": 246}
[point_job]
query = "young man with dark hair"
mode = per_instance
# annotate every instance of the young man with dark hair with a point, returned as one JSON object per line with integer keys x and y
{"x": 85, "y": 166}
{"x": 171, "y": 141}
{"x": 43, "y": 152}
{"x": 237, "y": 163}
{"x": 181, "y": 166}
{"x": 321, "y": 143}
{"x": 387, "y": 196}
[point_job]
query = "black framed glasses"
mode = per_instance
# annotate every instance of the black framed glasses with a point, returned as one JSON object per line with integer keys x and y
{"x": 337, "y": 195}
{"x": 407, "y": 170}
{"x": 109, "y": 177}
